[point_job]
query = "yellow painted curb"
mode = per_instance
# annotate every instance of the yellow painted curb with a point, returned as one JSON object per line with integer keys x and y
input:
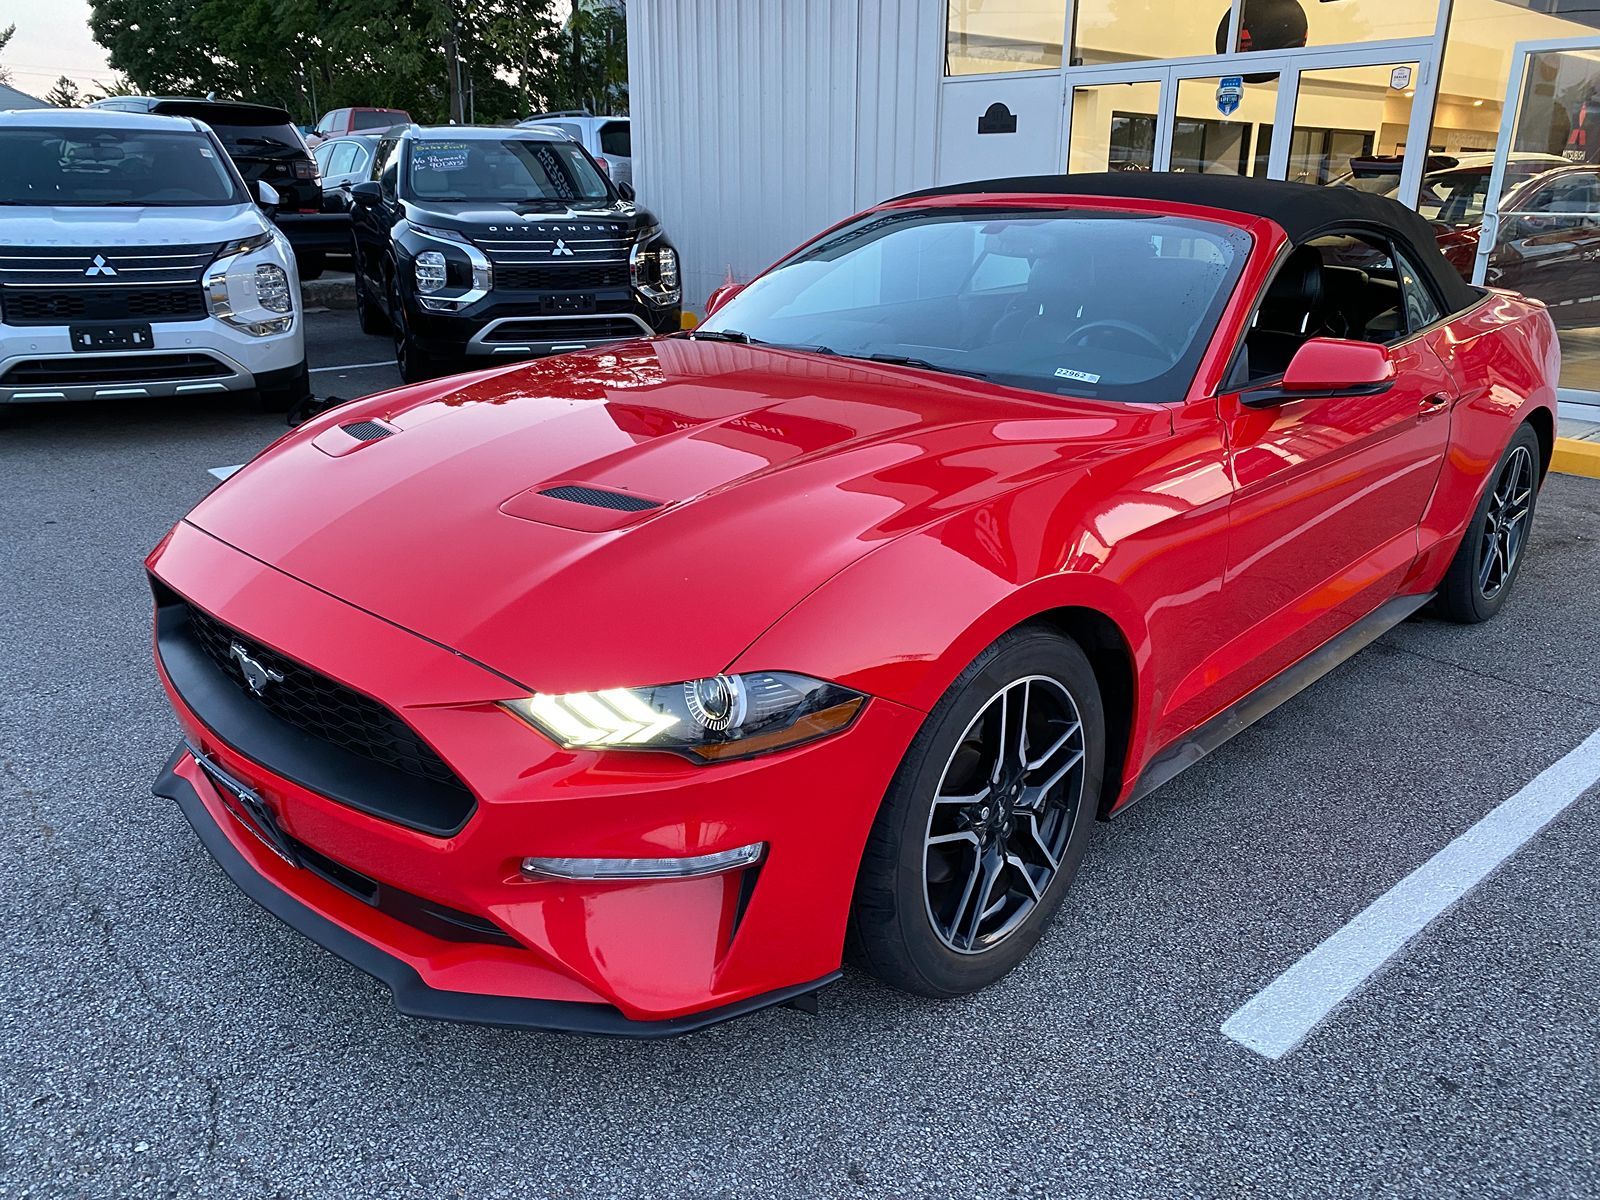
{"x": 1573, "y": 457}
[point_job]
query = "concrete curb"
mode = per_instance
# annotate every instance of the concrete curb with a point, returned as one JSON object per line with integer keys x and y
{"x": 1574, "y": 457}
{"x": 331, "y": 291}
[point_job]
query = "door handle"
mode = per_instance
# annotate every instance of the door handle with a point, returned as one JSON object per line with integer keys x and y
{"x": 1435, "y": 401}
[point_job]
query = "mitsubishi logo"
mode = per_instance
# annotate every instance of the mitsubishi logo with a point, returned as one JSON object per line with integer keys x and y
{"x": 256, "y": 675}
{"x": 561, "y": 248}
{"x": 101, "y": 267}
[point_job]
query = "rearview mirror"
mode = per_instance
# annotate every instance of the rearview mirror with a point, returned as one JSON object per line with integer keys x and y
{"x": 1328, "y": 367}
{"x": 721, "y": 296}
{"x": 366, "y": 193}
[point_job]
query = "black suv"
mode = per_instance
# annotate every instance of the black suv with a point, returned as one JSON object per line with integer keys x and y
{"x": 494, "y": 244}
{"x": 265, "y": 145}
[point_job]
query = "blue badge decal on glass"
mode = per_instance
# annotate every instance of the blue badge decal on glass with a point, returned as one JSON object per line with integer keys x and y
{"x": 1230, "y": 91}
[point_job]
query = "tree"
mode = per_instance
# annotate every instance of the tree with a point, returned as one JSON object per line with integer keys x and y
{"x": 118, "y": 85}
{"x": 65, "y": 94}
{"x": 6, "y": 35}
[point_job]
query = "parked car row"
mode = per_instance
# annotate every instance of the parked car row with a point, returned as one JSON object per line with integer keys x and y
{"x": 469, "y": 245}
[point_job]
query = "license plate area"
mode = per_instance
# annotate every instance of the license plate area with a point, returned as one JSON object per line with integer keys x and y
{"x": 248, "y": 808}
{"x": 121, "y": 336}
{"x": 573, "y": 303}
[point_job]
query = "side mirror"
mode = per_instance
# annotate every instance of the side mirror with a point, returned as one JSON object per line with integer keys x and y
{"x": 721, "y": 296}
{"x": 367, "y": 193}
{"x": 1328, "y": 367}
{"x": 625, "y": 190}
{"x": 267, "y": 195}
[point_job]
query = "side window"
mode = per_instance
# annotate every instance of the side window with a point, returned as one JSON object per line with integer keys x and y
{"x": 1573, "y": 194}
{"x": 616, "y": 139}
{"x": 360, "y": 159}
{"x": 344, "y": 158}
{"x": 1421, "y": 308}
{"x": 322, "y": 154}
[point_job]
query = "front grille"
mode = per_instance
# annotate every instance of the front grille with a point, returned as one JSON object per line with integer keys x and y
{"x": 111, "y": 369}
{"x": 599, "y": 498}
{"x": 581, "y": 277}
{"x": 321, "y": 707}
{"x": 111, "y": 267}
{"x": 57, "y": 306}
{"x": 589, "y": 329}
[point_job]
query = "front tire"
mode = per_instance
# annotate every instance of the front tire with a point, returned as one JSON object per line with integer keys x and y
{"x": 1489, "y": 559}
{"x": 415, "y": 365}
{"x": 985, "y": 822}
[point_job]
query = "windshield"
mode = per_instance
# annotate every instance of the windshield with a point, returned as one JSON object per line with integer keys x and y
{"x": 512, "y": 171}
{"x": 381, "y": 118}
{"x": 118, "y": 167}
{"x": 1100, "y": 304}
{"x": 259, "y": 141}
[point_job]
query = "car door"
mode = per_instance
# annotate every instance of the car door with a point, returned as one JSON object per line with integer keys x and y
{"x": 369, "y": 223}
{"x": 1329, "y": 492}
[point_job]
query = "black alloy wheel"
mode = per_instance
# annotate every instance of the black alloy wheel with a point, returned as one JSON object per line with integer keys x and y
{"x": 1486, "y": 565}
{"x": 986, "y": 820}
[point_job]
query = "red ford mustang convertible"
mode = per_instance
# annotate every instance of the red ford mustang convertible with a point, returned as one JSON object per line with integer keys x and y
{"x": 635, "y": 689}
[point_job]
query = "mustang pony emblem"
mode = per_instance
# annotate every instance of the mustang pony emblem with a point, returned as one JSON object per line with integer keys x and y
{"x": 256, "y": 675}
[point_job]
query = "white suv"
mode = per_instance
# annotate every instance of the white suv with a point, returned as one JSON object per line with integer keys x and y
{"x": 609, "y": 140}
{"x": 136, "y": 262}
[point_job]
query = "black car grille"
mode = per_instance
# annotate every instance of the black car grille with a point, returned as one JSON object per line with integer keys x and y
{"x": 111, "y": 369}
{"x": 319, "y": 706}
{"x": 588, "y": 329}
{"x": 56, "y": 306}
{"x": 577, "y": 278}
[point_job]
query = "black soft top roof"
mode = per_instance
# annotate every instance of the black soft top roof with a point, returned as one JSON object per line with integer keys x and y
{"x": 1303, "y": 210}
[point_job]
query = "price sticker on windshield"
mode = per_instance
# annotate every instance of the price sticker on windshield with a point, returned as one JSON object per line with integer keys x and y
{"x": 440, "y": 156}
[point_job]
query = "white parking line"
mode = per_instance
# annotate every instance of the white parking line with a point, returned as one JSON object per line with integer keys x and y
{"x": 1282, "y": 1014}
{"x": 223, "y": 472}
{"x": 388, "y": 362}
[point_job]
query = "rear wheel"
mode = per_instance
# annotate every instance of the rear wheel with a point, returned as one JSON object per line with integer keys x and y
{"x": 369, "y": 315}
{"x": 985, "y": 822}
{"x": 1489, "y": 559}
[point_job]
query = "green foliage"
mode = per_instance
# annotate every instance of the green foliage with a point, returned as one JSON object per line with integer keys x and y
{"x": 310, "y": 56}
{"x": 6, "y": 35}
{"x": 64, "y": 94}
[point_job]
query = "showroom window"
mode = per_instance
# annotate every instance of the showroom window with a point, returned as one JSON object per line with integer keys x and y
{"x": 987, "y": 36}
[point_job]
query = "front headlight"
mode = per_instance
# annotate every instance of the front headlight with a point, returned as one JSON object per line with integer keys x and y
{"x": 430, "y": 271}
{"x": 653, "y": 269}
{"x": 707, "y": 720}
{"x": 246, "y": 245}
{"x": 255, "y": 297}
{"x": 452, "y": 278}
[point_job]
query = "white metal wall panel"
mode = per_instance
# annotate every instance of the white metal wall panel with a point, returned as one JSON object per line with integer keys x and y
{"x": 745, "y": 126}
{"x": 897, "y": 117}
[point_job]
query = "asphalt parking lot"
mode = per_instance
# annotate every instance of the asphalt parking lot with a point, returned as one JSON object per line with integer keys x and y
{"x": 160, "y": 1035}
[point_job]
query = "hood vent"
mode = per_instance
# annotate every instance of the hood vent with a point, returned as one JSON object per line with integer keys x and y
{"x": 599, "y": 498}
{"x": 366, "y": 431}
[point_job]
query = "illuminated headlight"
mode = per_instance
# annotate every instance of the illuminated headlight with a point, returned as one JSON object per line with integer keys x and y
{"x": 688, "y": 867}
{"x": 430, "y": 271}
{"x": 669, "y": 269}
{"x": 254, "y": 297}
{"x": 653, "y": 269}
{"x": 249, "y": 245}
{"x": 706, "y": 720}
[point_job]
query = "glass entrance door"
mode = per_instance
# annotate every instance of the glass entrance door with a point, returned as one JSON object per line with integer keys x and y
{"x": 1541, "y": 232}
{"x": 1318, "y": 116}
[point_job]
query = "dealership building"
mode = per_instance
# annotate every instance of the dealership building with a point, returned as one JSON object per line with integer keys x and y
{"x": 759, "y": 122}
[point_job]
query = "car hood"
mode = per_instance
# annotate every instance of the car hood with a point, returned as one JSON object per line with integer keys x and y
{"x": 766, "y": 473}
{"x": 108, "y": 228}
{"x": 500, "y": 221}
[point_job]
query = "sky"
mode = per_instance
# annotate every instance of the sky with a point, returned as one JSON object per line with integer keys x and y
{"x": 52, "y": 40}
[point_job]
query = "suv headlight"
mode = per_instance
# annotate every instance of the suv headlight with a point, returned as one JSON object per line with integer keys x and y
{"x": 715, "y": 719}
{"x": 452, "y": 276}
{"x": 653, "y": 269}
{"x": 246, "y": 292}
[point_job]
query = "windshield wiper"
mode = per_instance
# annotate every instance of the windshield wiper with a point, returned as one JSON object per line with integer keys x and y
{"x": 922, "y": 364}
{"x": 724, "y": 335}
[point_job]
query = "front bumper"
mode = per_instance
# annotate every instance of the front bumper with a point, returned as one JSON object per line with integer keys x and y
{"x": 202, "y": 357}
{"x": 509, "y": 325}
{"x": 641, "y": 957}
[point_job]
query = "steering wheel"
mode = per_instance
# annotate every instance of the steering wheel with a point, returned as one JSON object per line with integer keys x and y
{"x": 1080, "y": 336}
